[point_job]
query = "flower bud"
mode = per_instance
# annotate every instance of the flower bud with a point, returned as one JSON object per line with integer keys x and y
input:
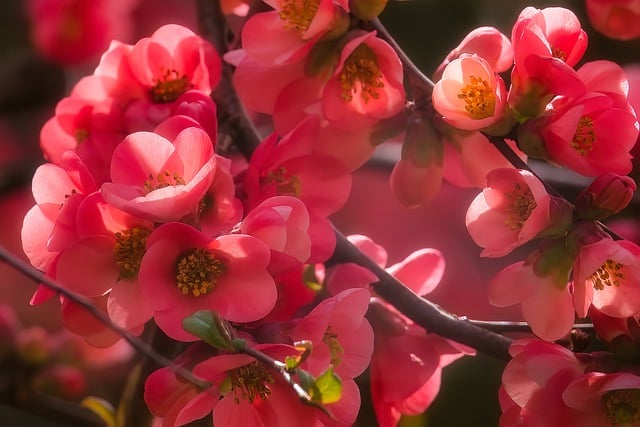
{"x": 33, "y": 346}
{"x": 63, "y": 381}
{"x": 607, "y": 195}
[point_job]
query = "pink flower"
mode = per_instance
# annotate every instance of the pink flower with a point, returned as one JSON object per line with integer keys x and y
{"x": 470, "y": 95}
{"x": 73, "y": 31}
{"x": 80, "y": 322}
{"x": 220, "y": 210}
{"x": 539, "y": 284}
{"x": 617, "y": 19}
{"x": 159, "y": 180}
{"x": 606, "y": 275}
{"x": 486, "y": 42}
{"x": 288, "y": 33}
{"x": 605, "y": 399}
{"x": 184, "y": 271}
{"x": 513, "y": 209}
{"x": 366, "y": 86}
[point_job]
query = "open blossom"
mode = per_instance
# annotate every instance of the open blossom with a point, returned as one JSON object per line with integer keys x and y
{"x": 606, "y": 274}
{"x": 184, "y": 271}
{"x": 513, "y": 209}
{"x": 161, "y": 180}
{"x": 470, "y": 95}
{"x": 615, "y": 19}
{"x": 367, "y": 84}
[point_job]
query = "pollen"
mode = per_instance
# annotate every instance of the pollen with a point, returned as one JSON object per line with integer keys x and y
{"x": 361, "y": 71}
{"x": 128, "y": 251}
{"x": 250, "y": 381}
{"x": 609, "y": 274}
{"x": 169, "y": 87}
{"x": 520, "y": 205}
{"x": 479, "y": 98}
{"x": 198, "y": 271}
{"x": 559, "y": 53}
{"x": 298, "y": 14}
{"x": 584, "y": 137}
{"x": 622, "y": 407}
{"x": 335, "y": 348}
{"x": 81, "y": 135}
{"x": 285, "y": 182}
{"x": 161, "y": 180}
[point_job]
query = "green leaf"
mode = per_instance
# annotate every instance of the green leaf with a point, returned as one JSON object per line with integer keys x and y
{"x": 208, "y": 326}
{"x": 329, "y": 387}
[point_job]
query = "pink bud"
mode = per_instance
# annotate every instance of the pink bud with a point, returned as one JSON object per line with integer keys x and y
{"x": 63, "y": 381}
{"x": 34, "y": 346}
{"x": 607, "y": 195}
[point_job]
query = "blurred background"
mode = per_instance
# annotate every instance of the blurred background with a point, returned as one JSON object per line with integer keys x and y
{"x": 34, "y": 77}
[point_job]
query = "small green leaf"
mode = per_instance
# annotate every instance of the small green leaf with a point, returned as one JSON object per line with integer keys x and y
{"x": 208, "y": 326}
{"x": 329, "y": 387}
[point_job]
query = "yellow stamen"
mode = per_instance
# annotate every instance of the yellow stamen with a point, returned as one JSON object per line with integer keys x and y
{"x": 129, "y": 248}
{"x": 335, "y": 348}
{"x": 361, "y": 67}
{"x": 521, "y": 204}
{"x": 479, "y": 98}
{"x": 161, "y": 180}
{"x": 286, "y": 184}
{"x": 169, "y": 87}
{"x": 559, "y": 53}
{"x": 609, "y": 274}
{"x": 585, "y": 136}
{"x": 298, "y": 14}
{"x": 250, "y": 381}
{"x": 622, "y": 407}
{"x": 198, "y": 272}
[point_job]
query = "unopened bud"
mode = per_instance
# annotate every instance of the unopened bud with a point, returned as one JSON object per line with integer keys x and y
{"x": 367, "y": 9}
{"x": 63, "y": 381}
{"x": 33, "y": 346}
{"x": 607, "y": 195}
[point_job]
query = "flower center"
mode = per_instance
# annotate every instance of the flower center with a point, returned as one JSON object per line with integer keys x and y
{"x": 250, "y": 381}
{"x": 609, "y": 274}
{"x": 558, "y": 53}
{"x": 584, "y": 137}
{"x": 169, "y": 87}
{"x": 129, "y": 248}
{"x": 81, "y": 135}
{"x": 161, "y": 180}
{"x": 335, "y": 348}
{"x": 521, "y": 204}
{"x": 298, "y": 14}
{"x": 479, "y": 98}
{"x": 361, "y": 67}
{"x": 286, "y": 184}
{"x": 198, "y": 272}
{"x": 622, "y": 407}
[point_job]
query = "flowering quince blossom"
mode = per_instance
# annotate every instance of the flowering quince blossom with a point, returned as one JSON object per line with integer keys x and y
{"x": 470, "y": 95}
{"x": 615, "y": 19}
{"x": 547, "y": 385}
{"x": 243, "y": 392}
{"x": 158, "y": 179}
{"x": 606, "y": 274}
{"x": 288, "y": 33}
{"x": 184, "y": 271}
{"x": 594, "y": 133}
{"x": 366, "y": 85}
{"x": 513, "y": 209}
{"x": 539, "y": 284}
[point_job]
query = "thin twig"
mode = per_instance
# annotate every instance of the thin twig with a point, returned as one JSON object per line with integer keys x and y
{"x": 86, "y": 304}
{"x": 507, "y": 326}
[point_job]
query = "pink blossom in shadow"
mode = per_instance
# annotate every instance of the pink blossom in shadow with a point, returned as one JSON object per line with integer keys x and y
{"x": 512, "y": 210}
{"x": 184, "y": 271}
{"x": 470, "y": 95}
{"x": 618, "y": 20}
{"x": 161, "y": 180}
